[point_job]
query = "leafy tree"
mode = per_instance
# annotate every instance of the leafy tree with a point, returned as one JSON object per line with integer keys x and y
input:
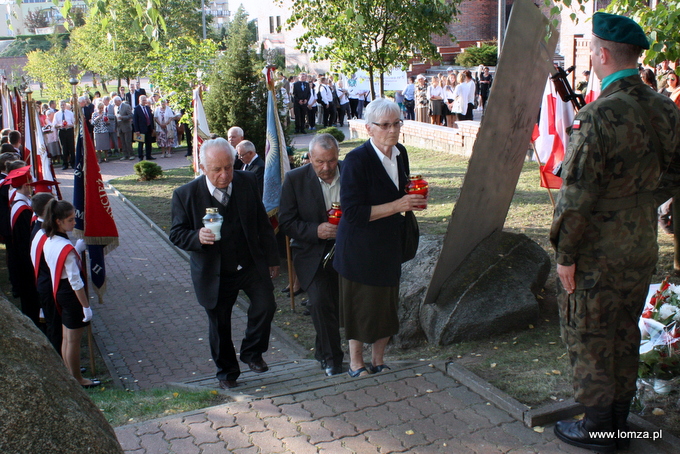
{"x": 36, "y": 19}
{"x": 659, "y": 23}
{"x": 237, "y": 95}
{"x": 372, "y": 35}
{"x": 175, "y": 67}
{"x": 52, "y": 69}
{"x": 22, "y": 46}
{"x": 486, "y": 55}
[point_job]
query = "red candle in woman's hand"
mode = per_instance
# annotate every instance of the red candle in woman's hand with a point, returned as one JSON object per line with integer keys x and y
{"x": 417, "y": 185}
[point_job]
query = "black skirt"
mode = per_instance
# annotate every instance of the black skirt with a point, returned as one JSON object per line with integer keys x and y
{"x": 368, "y": 313}
{"x": 71, "y": 310}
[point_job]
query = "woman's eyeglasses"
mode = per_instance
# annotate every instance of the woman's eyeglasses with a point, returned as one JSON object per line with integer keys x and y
{"x": 386, "y": 126}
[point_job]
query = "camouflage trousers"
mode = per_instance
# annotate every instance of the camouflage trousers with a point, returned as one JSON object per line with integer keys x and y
{"x": 599, "y": 325}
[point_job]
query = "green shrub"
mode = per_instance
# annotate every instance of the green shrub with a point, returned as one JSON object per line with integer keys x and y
{"x": 147, "y": 170}
{"x": 486, "y": 55}
{"x": 335, "y": 132}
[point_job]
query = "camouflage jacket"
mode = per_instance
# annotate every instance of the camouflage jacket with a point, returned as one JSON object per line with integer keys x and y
{"x": 611, "y": 155}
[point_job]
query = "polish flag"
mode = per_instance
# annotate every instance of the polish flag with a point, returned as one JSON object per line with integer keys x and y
{"x": 594, "y": 89}
{"x": 550, "y": 135}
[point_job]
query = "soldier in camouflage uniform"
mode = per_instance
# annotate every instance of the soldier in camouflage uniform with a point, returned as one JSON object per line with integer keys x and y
{"x": 604, "y": 228}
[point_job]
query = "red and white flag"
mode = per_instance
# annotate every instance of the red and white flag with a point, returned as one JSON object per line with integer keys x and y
{"x": 7, "y": 116}
{"x": 593, "y": 91}
{"x": 550, "y": 135}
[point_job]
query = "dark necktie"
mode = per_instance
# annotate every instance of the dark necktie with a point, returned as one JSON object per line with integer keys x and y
{"x": 146, "y": 114}
{"x": 222, "y": 196}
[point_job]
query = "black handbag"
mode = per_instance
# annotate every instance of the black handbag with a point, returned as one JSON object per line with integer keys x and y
{"x": 410, "y": 237}
{"x": 410, "y": 233}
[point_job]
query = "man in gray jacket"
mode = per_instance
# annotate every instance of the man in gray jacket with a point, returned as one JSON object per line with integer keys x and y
{"x": 123, "y": 113}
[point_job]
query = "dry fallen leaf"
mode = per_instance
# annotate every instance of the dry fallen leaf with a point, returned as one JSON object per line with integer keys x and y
{"x": 539, "y": 429}
{"x": 658, "y": 412}
{"x": 493, "y": 365}
{"x": 409, "y": 432}
{"x": 556, "y": 372}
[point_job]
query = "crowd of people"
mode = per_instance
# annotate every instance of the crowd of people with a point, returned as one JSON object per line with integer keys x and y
{"x": 115, "y": 121}
{"x": 310, "y": 100}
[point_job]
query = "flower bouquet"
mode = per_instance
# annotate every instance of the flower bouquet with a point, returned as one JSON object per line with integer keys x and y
{"x": 660, "y": 344}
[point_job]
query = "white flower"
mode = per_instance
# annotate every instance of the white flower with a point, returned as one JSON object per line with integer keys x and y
{"x": 674, "y": 289}
{"x": 667, "y": 310}
{"x": 676, "y": 317}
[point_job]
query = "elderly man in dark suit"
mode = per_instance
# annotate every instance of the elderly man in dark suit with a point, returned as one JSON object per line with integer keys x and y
{"x": 244, "y": 258}
{"x": 123, "y": 113}
{"x": 306, "y": 196}
{"x": 142, "y": 121}
{"x": 301, "y": 94}
{"x": 246, "y": 152}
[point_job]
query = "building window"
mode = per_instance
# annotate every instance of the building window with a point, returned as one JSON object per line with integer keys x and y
{"x": 278, "y": 24}
{"x": 271, "y": 25}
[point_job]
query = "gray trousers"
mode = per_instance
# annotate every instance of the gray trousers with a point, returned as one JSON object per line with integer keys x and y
{"x": 126, "y": 142}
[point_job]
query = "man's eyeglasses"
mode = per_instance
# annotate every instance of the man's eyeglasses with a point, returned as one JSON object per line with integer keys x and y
{"x": 386, "y": 126}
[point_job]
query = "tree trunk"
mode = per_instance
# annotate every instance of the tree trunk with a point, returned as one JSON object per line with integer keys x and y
{"x": 382, "y": 85}
{"x": 370, "y": 78}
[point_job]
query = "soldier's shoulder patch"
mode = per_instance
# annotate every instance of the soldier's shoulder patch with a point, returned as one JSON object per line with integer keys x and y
{"x": 576, "y": 125}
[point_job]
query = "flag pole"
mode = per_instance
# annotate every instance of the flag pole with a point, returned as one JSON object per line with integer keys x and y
{"x": 291, "y": 274}
{"x": 194, "y": 144}
{"x": 30, "y": 107}
{"x": 533, "y": 148}
{"x": 75, "y": 108}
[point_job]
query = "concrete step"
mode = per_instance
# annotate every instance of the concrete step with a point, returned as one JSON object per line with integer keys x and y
{"x": 290, "y": 377}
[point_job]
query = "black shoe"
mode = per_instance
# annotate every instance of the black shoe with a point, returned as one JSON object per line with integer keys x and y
{"x": 577, "y": 433}
{"x": 151, "y": 158}
{"x": 64, "y": 168}
{"x": 94, "y": 384}
{"x": 333, "y": 370}
{"x": 323, "y": 363}
{"x": 258, "y": 366}
{"x": 306, "y": 312}
{"x": 228, "y": 384}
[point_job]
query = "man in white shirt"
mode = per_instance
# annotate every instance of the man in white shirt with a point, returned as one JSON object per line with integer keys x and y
{"x": 64, "y": 120}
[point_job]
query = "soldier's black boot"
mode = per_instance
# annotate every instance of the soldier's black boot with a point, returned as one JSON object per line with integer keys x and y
{"x": 620, "y": 410}
{"x": 578, "y": 433}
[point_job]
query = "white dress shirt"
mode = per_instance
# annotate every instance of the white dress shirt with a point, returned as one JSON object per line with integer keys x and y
{"x": 390, "y": 164}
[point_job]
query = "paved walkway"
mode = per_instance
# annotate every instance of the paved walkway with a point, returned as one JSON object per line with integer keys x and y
{"x": 152, "y": 332}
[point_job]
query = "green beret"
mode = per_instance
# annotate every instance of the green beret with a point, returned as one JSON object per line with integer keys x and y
{"x": 619, "y": 29}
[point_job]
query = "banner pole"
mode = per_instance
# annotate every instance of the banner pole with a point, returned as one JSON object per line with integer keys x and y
{"x": 533, "y": 148}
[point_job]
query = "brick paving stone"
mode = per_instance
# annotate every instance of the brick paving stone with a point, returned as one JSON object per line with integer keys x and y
{"x": 214, "y": 448}
{"x": 195, "y": 418}
{"x": 384, "y": 441}
{"x": 382, "y": 418}
{"x": 251, "y": 450}
{"x": 203, "y": 433}
{"x": 432, "y": 429}
{"x": 493, "y": 413}
{"x": 184, "y": 446}
{"x": 473, "y": 420}
{"x": 427, "y": 404}
{"x": 234, "y": 438}
{"x": 127, "y": 437}
{"x": 404, "y": 411}
{"x": 267, "y": 442}
{"x": 296, "y": 413}
{"x": 476, "y": 442}
{"x": 265, "y": 408}
{"x": 526, "y": 437}
{"x": 150, "y": 427}
{"x": 299, "y": 445}
{"x": 462, "y": 397}
{"x": 318, "y": 409}
{"x": 220, "y": 417}
{"x": 402, "y": 390}
{"x": 339, "y": 403}
{"x": 249, "y": 422}
{"x": 281, "y": 427}
{"x": 315, "y": 432}
{"x": 361, "y": 420}
{"x": 174, "y": 428}
{"x": 421, "y": 384}
{"x": 338, "y": 427}
{"x": 408, "y": 435}
{"x": 334, "y": 447}
{"x": 153, "y": 443}
{"x": 378, "y": 395}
